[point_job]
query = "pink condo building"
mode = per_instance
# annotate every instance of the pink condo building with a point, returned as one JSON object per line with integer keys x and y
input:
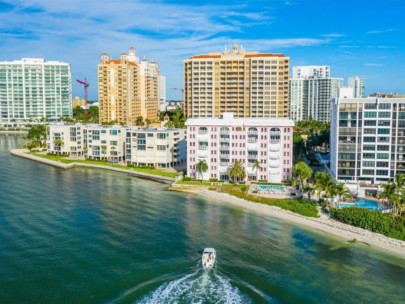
{"x": 220, "y": 141}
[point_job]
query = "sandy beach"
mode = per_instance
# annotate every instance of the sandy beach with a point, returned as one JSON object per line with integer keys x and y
{"x": 323, "y": 223}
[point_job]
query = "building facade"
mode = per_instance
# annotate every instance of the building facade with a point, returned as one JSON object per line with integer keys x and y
{"x": 162, "y": 148}
{"x": 249, "y": 84}
{"x": 157, "y": 147}
{"x": 367, "y": 141}
{"x": 357, "y": 84}
{"x": 127, "y": 89}
{"x": 223, "y": 140}
{"x": 162, "y": 93}
{"x": 311, "y": 90}
{"x": 32, "y": 88}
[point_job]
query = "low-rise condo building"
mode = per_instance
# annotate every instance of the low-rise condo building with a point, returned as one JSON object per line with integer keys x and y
{"x": 158, "y": 147}
{"x": 263, "y": 146}
{"x": 367, "y": 139}
{"x": 65, "y": 140}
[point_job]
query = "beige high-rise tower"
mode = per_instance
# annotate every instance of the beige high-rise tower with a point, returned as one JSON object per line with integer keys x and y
{"x": 127, "y": 89}
{"x": 249, "y": 84}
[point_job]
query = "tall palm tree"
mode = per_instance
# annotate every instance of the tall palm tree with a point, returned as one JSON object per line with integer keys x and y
{"x": 201, "y": 168}
{"x": 323, "y": 183}
{"x": 302, "y": 172}
{"x": 388, "y": 193}
{"x": 342, "y": 191}
{"x": 237, "y": 171}
{"x": 256, "y": 166}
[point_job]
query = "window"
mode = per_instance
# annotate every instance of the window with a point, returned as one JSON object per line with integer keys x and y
{"x": 371, "y": 123}
{"x": 163, "y": 135}
{"x": 368, "y": 148}
{"x": 370, "y": 106}
{"x": 382, "y": 172}
{"x": 368, "y": 172}
{"x": 161, "y": 148}
{"x": 368, "y": 155}
{"x": 369, "y": 139}
{"x": 383, "y": 148}
{"x": 369, "y": 131}
{"x": 370, "y": 114}
{"x": 383, "y": 155}
{"x": 384, "y": 106}
{"x": 382, "y": 164}
{"x": 150, "y": 134}
{"x": 368, "y": 164}
{"x": 114, "y": 132}
{"x": 384, "y": 114}
{"x": 383, "y": 131}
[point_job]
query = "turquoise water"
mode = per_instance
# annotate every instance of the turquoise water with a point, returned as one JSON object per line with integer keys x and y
{"x": 362, "y": 203}
{"x": 92, "y": 236}
{"x": 271, "y": 187}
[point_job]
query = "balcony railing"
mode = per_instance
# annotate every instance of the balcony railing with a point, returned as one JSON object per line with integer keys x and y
{"x": 202, "y": 147}
{"x": 252, "y": 140}
{"x": 252, "y": 132}
{"x": 274, "y": 149}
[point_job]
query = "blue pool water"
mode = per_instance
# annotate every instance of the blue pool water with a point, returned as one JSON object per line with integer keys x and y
{"x": 270, "y": 187}
{"x": 362, "y": 203}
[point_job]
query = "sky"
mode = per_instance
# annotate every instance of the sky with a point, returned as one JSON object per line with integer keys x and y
{"x": 354, "y": 37}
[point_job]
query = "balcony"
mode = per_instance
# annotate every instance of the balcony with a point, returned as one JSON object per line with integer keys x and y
{"x": 224, "y": 131}
{"x": 224, "y": 139}
{"x": 274, "y": 148}
{"x": 252, "y": 140}
{"x": 274, "y": 156}
{"x": 274, "y": 165}
{"x": 252, "y": 132}
{"x": 252, "y": 147}
{"x": 202, "y": 154}
{"x": 203, "y": 147}
{"x": 224, "y": 148}
{"x": 252, "y": 156}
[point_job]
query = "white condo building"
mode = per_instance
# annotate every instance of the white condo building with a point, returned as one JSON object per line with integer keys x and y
{"x": 162, "y": 147}
{"x": 32, "y": 88}
{"x": 311, "y": 89}
{"x": 367, "y": 139}
{"x": 357, "y": 84}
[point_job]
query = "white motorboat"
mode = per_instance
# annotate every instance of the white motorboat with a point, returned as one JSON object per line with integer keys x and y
{"x": 208, "y": 257}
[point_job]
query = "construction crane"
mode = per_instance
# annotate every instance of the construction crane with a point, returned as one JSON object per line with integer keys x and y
{"x": 85, "y": 86}
{"x": 182, "y": 96}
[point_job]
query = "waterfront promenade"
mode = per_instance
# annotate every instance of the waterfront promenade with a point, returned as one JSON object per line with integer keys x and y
{"x": 23, "y": 153}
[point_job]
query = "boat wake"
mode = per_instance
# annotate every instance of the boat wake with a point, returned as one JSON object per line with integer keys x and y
{"x": 199, "y": 287}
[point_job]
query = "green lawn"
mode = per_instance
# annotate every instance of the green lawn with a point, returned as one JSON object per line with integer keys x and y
{"x": 65, "y": 160}
{"x": 194, "y": 182}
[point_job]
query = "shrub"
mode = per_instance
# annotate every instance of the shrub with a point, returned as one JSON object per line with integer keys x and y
{"x": 213, "y": 180}
{"x": 244, "y": 188}
{"x": 212, "y": 188}
{"x": 372, "y": 220}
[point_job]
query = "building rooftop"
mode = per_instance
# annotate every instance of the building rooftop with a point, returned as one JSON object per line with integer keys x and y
{"x": 228, "y": 119}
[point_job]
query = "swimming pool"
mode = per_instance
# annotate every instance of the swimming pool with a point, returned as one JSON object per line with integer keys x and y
{"x": 362, "y": 203}
{"x": 270, "y": 187}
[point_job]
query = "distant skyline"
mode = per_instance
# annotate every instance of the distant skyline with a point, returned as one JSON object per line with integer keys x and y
{"x": 356, "y": 38}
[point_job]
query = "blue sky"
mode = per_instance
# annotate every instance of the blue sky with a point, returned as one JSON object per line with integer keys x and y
{"x": 354, "y": 37}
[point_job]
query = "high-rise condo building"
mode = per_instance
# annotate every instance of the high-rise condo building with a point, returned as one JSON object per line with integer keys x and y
{"x": 262, "y": 145}
{"x": 367, "y": 140}
{"x": 249, "y": 84}
{"x": 357, "y": 84}
{"x": 162, "y": 93}
{"x": 32, "y": 88}
{"x": 311, "y": 89}
{"x": 127, "y": 88}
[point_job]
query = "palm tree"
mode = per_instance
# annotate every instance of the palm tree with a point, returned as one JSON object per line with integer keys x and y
{"x": 342, "y": 191}
{"x": 256, "y": 166}
{"x": 389, "y": 194}
{"x": 323, "y": 183}
{"x": 201, "y": 168}
{"x": 148, "y": 122}
{"x": 237, "y": 171}
{"x": 139, "y": 121}
{"x": 303, "y": 172}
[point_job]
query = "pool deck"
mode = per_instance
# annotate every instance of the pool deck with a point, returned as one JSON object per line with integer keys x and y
{"x": 273, "y": 193}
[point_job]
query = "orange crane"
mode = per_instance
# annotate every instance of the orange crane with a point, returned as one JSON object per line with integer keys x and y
{"x": 85, "y": 86}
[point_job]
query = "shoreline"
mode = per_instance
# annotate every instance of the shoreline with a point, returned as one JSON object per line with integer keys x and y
{"x": 322, "y": 224}
{"x": 155, "y": 178}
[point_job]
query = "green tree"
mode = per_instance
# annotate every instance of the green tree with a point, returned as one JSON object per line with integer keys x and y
{"x": 302, "y": 171}
{"x": 237, "y": 171}
{"x": 324, "y": 183}
{"x": 342, "y": 191}
{"x": 256, "y": 166}
{"x": 37, "y": 135}
{"x": 148, "y": 122}
{"x": 201, "y": 168}
{"x": 139, "y": 121}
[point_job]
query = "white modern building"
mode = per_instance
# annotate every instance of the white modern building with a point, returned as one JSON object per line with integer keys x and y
{"x": 162, "y": 93}
{"x": 32, "y": 88}
{"x": 157, "y": 147}
{"x": 311, "y": 90}
{"x": 367, "y": 140}
{"x": 263, "y": 146}
{"x": 357, "y": 84}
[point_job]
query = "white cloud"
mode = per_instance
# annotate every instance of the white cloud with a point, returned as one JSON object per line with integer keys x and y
{"x": 380, "y": 31}
{"x": 373, "y": 64}
{"x": 79, "y": 31}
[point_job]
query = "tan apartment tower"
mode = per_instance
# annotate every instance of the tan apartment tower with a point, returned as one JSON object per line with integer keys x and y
{"x": 249, "y": 84}
{"x": 127, "y": 89}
